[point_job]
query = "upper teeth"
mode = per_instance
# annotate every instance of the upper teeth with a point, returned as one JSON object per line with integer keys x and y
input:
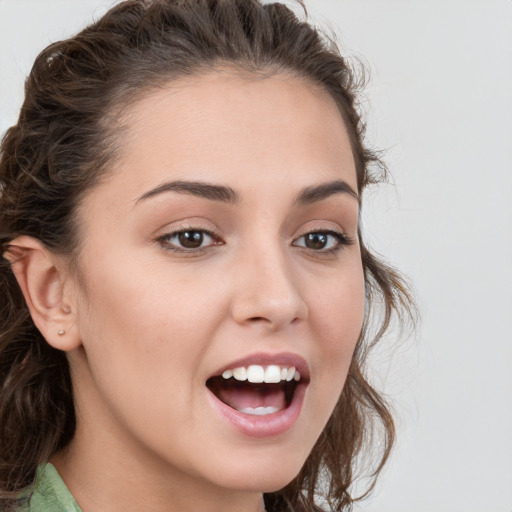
{"x": 269, "y": 374}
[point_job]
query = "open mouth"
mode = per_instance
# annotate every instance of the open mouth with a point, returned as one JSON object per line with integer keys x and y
{"x": 257, "y": 390}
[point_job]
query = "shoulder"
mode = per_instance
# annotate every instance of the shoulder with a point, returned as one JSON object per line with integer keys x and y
{"x": 49, "y": 493}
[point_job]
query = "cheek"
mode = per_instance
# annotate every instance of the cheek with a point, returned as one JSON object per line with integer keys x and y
{"x": 141, "y": 321}
{"x": 339, "y": 317}
{"x": 142, "y": 298}
{"x": 340, "y": 313}
{"x": 143, "y": 337}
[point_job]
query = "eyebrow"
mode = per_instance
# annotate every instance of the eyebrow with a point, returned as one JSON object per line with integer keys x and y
{"x": 226, "y": 194}
{"x": 316, "y": 193}
{"x": 196, "y": 188}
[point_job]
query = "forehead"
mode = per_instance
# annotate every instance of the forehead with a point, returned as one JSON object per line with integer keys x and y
{"x": 229, "y": 127}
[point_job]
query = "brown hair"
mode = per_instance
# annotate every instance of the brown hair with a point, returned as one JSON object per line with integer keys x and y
{"x": 63, "y": 144}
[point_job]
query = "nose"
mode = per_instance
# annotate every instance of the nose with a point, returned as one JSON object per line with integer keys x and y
{"x": 267, "y": 292}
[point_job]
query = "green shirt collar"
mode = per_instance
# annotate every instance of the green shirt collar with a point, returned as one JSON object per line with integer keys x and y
{"x": 50, "y": 493}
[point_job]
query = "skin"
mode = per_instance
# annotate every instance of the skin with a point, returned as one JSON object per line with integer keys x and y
{"x": 146, "y": 325}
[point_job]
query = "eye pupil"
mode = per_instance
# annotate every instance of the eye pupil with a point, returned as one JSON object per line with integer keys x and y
{"x": 316, "y": 240}
{"x": 191, "y": 239}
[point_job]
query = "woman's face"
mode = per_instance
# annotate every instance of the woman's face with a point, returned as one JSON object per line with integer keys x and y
{"x": 220, "y": 252}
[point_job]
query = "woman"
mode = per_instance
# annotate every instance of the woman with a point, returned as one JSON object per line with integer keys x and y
{"x": 186, "y": 296}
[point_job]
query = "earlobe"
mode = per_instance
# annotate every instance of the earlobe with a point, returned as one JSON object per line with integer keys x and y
{"x": 43, "y": 286}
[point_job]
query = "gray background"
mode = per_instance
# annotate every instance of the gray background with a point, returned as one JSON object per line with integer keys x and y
{"x": 440, "y": 102}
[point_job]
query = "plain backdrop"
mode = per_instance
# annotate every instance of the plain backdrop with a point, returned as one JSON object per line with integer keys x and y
{"x": 440, "y": 103}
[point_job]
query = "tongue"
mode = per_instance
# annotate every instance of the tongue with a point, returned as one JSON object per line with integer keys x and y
{"x": 242, "y": 395}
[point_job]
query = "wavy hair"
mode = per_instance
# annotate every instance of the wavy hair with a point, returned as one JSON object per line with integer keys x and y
{"x": 63, "y": 144}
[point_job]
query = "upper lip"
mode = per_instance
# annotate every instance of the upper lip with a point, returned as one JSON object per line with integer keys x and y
{"x": 265, "y": 359}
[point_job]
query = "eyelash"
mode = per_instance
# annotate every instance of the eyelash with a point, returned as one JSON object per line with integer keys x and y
{"x": 164, "y": 241}
{"x": 342, "y": 239}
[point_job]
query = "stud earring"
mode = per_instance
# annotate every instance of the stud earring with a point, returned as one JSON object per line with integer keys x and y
{"x": 61, "y": 332}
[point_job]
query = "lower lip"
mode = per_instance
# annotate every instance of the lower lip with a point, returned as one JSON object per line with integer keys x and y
{"x": 270, "y": 425}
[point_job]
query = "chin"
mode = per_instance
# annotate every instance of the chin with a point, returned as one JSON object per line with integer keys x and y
{"x": 259, "y": 476}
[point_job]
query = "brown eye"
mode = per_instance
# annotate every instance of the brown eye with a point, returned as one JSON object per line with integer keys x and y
{"x": 323, "y": 241}
{"x": 191, "y": 239}
{"x": 316, "y": 240}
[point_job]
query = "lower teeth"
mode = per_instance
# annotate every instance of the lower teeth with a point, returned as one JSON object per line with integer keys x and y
{"x": 259, "y": 411}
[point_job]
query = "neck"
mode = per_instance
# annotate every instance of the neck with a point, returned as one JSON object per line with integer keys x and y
{"x": 117, "y": 485}
{"x": 106, "y": 468}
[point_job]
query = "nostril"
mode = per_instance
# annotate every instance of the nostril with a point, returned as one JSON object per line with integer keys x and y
{"x": 258, "y": 319}
{"x": 272, "y": 303}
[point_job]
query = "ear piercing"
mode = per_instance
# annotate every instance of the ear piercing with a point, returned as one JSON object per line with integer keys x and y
{"x": 61, "y": 332}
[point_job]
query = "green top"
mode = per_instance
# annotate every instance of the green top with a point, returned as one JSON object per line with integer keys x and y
{"x": 50, "y": 493}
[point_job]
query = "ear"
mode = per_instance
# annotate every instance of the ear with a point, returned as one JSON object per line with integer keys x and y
{"x": 42, "y": 281}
